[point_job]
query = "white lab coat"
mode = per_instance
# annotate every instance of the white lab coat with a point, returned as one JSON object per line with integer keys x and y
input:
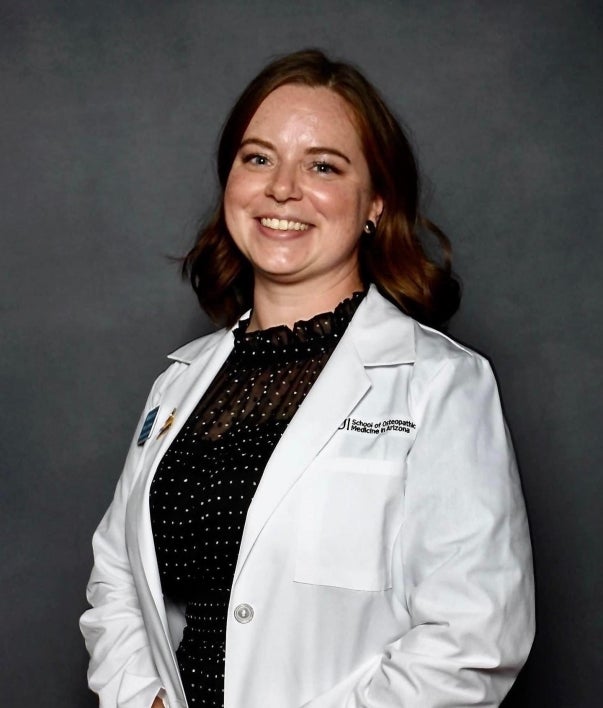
{"x": 385, "y": 556}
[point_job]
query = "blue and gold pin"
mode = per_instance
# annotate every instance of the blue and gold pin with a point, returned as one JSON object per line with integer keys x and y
{"x": 167, "y": 425}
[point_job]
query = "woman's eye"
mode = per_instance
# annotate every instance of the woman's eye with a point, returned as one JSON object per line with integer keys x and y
{"x": 325, "y": 168}
{"x": 255, "y": 159}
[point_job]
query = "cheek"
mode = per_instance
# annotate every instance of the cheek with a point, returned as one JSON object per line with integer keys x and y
{"x": 238, "y": 190}
{"x": 333, "y": 200}
{"x": 348, "y": 203}
{"x": 231, "y": 194}
{"x": 234, "y": 203}
{"x": 232, "y": 210}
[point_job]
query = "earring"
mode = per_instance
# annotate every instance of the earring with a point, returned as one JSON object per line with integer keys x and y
{"x": 369, "y": 228}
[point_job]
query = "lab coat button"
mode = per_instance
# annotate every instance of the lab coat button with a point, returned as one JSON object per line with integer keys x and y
{"x": 243, "y": 613}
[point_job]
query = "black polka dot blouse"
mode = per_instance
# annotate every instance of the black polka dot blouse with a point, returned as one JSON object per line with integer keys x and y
{"x": 207, "y": 478}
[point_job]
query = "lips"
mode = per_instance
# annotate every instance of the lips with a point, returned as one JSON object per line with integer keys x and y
{"x": 283, "y": 224}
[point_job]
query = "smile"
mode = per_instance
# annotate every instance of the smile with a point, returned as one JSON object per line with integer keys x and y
{"x": 284, "y": 225}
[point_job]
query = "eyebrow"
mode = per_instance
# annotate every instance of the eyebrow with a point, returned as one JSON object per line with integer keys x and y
{"x": 310, "y": 151}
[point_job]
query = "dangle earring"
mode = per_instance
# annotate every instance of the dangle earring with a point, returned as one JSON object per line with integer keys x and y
{"x": 370, "y": 228}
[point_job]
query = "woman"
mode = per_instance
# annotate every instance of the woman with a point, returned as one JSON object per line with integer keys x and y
{"x": 367, "y": 548}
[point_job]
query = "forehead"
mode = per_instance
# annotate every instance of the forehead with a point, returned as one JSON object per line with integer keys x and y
{"x": 313, "y": 112}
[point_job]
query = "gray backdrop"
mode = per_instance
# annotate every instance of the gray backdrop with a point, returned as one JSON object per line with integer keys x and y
{"x": 109, "y": 117}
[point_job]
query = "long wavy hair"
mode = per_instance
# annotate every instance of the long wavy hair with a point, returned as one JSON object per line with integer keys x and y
{"x": 394, "y": 258}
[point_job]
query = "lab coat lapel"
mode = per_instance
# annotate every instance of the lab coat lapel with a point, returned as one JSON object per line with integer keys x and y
{"x": 183, "y": 395}
{"x": 379, "y": 334}
{"x": 340, "y": 386}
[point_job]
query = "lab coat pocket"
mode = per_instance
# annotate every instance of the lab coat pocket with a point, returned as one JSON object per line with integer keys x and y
{"x": 349, "y": 514}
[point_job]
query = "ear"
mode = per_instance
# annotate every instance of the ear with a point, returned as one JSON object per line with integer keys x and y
{"x": 376, "y": 209}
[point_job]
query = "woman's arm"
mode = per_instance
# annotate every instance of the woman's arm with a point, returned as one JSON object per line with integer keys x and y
{"x": 462, "y": 562}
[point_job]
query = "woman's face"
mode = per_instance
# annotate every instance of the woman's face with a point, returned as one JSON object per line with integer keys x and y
{"x": 299, "y": 191}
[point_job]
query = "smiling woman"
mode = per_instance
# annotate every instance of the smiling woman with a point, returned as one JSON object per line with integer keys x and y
{"x": 322, "y": 507}
{"x": 343, "y": 107}
{"x": 297, "y": 198}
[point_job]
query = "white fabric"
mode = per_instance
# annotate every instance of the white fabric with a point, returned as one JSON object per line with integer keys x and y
{"x": 386, "y": 553}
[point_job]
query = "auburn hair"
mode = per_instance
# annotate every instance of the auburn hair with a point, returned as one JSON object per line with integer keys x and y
{"x": 394, "y": 257}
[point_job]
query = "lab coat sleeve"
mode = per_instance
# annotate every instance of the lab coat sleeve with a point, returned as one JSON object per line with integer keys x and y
{"x": 121, "y": 670}
{"x": 462, "y": 563}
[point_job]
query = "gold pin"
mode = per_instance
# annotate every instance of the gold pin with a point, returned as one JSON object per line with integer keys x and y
{"x": 167, "y": 425}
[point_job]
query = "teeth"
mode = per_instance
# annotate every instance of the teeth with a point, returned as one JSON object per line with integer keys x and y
{"x": 284, "y": 225}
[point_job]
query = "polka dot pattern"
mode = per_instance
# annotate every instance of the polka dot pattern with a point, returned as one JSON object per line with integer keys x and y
{"x": 208, "y": 476}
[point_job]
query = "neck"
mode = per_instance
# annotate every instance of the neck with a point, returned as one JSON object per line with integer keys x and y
{"x": 275, "y": 304}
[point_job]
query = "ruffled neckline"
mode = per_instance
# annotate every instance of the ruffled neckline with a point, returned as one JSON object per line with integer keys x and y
{"x": 307, "y": 338}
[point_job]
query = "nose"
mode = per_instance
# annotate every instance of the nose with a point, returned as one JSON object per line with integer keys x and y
{"x": 283, "y": 184}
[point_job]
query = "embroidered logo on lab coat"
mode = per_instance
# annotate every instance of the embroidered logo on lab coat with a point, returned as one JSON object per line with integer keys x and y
{"x": 356, "y": 425}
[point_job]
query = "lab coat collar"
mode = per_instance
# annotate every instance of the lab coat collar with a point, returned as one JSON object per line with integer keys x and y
{"x": 382, "y": 335}
{"x": 197, "y": 348}
{"x": 377, "y": 342}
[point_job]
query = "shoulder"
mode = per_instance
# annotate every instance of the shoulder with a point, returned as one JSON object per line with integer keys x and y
{"x": 447, "y": 373}
{"x": 435, "y": 349}
{"x": 187, "y": 353}
{"x": 388, "y": 335}
{"x": 182, "y": 358}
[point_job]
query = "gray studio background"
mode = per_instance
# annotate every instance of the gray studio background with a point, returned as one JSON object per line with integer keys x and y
{"x": 109, "y": 118}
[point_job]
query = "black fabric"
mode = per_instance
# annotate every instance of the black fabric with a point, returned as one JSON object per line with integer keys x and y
{"x": 207, "y": 478}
